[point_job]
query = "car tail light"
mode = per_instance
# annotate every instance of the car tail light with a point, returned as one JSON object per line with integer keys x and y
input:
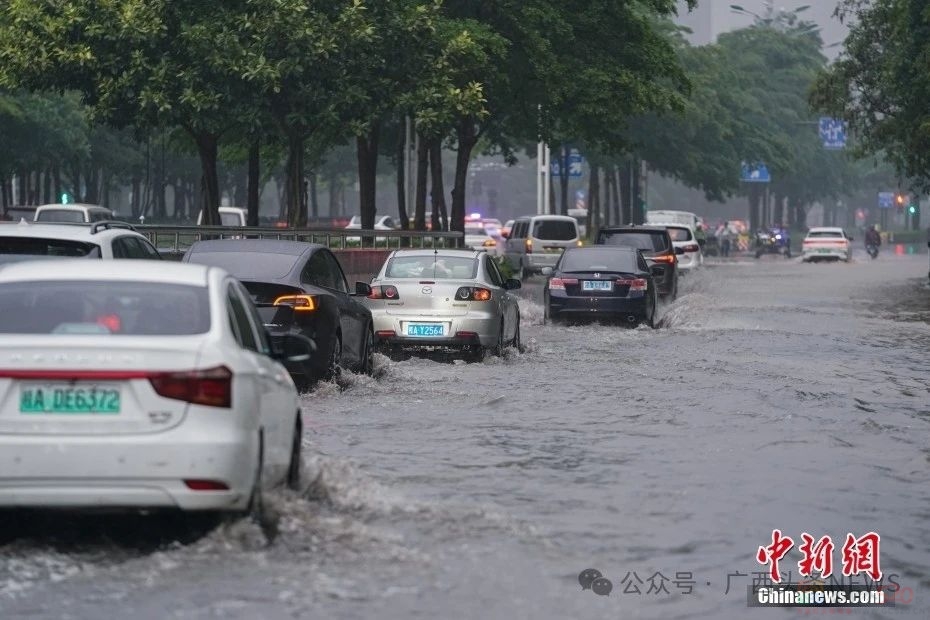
{"x": 469, "y": 293}
{"x": 529, "y": 246}
{"x": 580, "y": 243}
{"x": 386, "y": 333}
{"x": 206, "y": 485}
{"x": 670, "y": 259}
{"x": 211, "y": 387}
{"x": 558, "y": 284}
{"x": 111, "y": 321}
{"x": 300, "y": 303}
{"x": 384, "y": 292}
{"x": 691, "y": 247}
{"x": 639, "y": 284}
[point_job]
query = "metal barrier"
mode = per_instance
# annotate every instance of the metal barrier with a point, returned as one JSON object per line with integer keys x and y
{"x": 177, "y": 239}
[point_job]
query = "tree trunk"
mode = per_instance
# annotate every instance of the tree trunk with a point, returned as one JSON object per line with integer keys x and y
{"x": 314, "y": 195}
{"x": 208, "y": 149}
{"x": 136, "y": 202}
{"x": 105, "y": 177}
{"x": 56, "y": 179}
{"x": 593, "y": 189}
{"x": 617, "y": 197}
{"x": 755, "y": 198}
{"x": 636, "y": 193}
{"x": 294, "y": 183}
{"x": 4, "y": 203}
{"x": 422, "y": 178}
{"x": 180, "y": 199}
{"x": 626, "y": 193}
{"x": 367, "y": 152}
{"x": 467, "y": 135}
{"x": 37, "y": 188}
{"x": 254, "y": 180}
{"x": 801, "y": 217}
{"x": 47, "y": 187}
{"x": 437, "y": 187}
{"x": 778, "y": 209}
{"x": 563, "y": 178}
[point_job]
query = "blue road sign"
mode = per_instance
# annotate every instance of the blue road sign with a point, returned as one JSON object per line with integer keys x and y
{"x": 575, "y": 161}
{"x": 555, "y": 169}
{"x": 754, "y": 173}
{"x": 832, "y": 133}
{"x": 885, "y": 200}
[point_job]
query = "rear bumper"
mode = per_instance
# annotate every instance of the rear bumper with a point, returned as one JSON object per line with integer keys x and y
{"x": 817, "y": 253}
{"x": 538, "y": 260}
{"x": 127, "y": 472}
{"x": 459, "y": 331}
{"x": 564, "y": 306}
{"x": 689, "y": 261}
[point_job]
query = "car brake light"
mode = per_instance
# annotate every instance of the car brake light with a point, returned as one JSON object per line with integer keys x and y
{"x": 384, "y": 292}
{"x": 665, "y": 258}
{"x": 692, "y": 247}
{"x": 559, "y": 284}
{"x": 639, "y": 284}
{"x": 211, "y": 387}
{"x": 300, "y": 303}
{"x": 111, "y": 321}
{"x": 206, "y": 485}
{"x": 529, "y": 246}
{"x": 468, "y": 293}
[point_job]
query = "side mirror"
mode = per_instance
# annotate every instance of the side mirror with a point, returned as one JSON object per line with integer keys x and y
{"x": 362, "y": 289}
{"x": 291, "y": 347}
{"x": 512, "y": 284}
{"x": 679, "y": 251}
{"x": 546, "y": 271}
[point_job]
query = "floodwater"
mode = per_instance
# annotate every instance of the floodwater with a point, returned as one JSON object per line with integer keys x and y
{"x": 774, "y": 395}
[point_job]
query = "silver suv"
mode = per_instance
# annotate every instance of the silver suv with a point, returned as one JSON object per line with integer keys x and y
{"x": 538, "y": 241}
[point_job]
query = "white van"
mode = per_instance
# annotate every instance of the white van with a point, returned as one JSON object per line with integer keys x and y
{"x": 684, "y": 218}
{"x": 229, "y": 216}
{"x": 72, "y": 213}
{"x": 538, "y": 241}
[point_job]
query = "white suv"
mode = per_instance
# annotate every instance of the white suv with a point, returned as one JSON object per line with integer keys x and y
{"x": 107, "y": 240}
{"x": 538, "y": 241}
{"x": 72, "y": 214}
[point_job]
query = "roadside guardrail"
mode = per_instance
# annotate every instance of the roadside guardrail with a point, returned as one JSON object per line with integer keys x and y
{"x": 177, "y": 239}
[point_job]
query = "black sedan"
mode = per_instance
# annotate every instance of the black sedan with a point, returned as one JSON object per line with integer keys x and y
{"x": 300, "y": 288}
{"x": 656, "y": 246}
{"x": 601, "y": 282}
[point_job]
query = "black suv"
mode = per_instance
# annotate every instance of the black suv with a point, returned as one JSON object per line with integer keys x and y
{"x": 657, "y": 249}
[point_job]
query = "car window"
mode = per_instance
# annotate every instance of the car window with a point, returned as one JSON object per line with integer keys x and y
{"x": 643, "y": 266}
{"x": 599, "y": 259}
{"x": 99, "y": 216}
{"x": 230, "y": 219}
{"x": 245, "y": 265}
{"x": 649, "y": 241}
{"x": 258, "y": 325}
{"x": 336, "y": 276}
{"x": 433, "y": 267}
{"x": 239, "y": 319}
{"x": 555, "y": 230}
{"x": 389, "y": 222}
{"x": 60, "y": 215}
{"x": 317, "y": 271}
{"x": 147, "y": 249}
{"x": 37, "y": 246}
{"x": 494, "y": 274}
{"x": 130, "y": 248}
{"x": 104, "y": 308}
{"x": 680, "y": 234}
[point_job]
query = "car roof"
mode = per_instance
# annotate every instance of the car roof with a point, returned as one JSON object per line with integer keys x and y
{"x": 107, "y": 270}
{"x": 604, "y": 248}
{"x": 267, "y": 246}
{"x": 73, "y": 206}
{"x": 448, "y": 252}
{"x": 565, "y": 218}
{"x": 635, "y": 228}
{"x": 835, "y": 229}
{"x": 78, "y": 231}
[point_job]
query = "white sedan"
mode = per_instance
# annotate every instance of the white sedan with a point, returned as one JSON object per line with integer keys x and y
{"x": 138, "y": 386}
{"x": 826, "y": 243}
{"x": 484, "y": 237}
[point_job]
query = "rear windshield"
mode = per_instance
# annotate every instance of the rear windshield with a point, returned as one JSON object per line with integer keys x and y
{"x": 814, "y": 234}
{"x": 641, "y": 240}
{"x": 433, "y": 267}
{"x": 555, "y": 230}
{"x": 594, "y": 259}
{"x": 60, "y": 215}
{"x": 474, "y": 229}
{"x": 38, "y": 246}
{"x": 230, "y": 219}
{"x": 680, "y": 234}
{"x": 103, "y": 308}
{"x": 247, "y": 265}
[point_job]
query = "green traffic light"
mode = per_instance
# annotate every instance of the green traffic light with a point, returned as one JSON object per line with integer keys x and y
{"x": 912, "y": 209}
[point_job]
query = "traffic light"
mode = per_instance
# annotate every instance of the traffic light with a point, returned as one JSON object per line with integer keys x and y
{"x": 65, "y": 198}
{"x": 899, "y": 200}
{"x": 911, "y": 209}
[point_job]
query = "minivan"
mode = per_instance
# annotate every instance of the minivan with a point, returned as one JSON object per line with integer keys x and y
{"x": 538, "y": 241}
{"x": 72, "y": 213}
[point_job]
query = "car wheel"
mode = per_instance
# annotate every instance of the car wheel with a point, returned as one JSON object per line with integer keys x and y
{"x": 522, "y": 273}
{"x": 256, "y": 508}
{"x": 295, "y": 467}
{"x": 517, "y": 344}
{"x": 368, "y": 356}
{"x": 334, "y": 365}
{"x": 498, "y": 348}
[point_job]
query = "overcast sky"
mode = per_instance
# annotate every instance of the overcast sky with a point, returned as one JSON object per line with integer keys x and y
{"x": 712, "y": 17}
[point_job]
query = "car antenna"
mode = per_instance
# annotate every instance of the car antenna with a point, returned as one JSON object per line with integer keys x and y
{"x": 435, "y": 258}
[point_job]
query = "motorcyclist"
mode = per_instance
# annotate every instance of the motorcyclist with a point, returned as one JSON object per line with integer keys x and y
{"x": 872, "y": 238}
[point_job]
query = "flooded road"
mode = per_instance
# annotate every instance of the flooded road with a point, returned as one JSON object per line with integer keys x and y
{"x": 774, "y": 395}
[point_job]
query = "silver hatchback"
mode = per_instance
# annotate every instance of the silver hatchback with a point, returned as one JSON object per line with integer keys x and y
{"x": 444, "y": 299}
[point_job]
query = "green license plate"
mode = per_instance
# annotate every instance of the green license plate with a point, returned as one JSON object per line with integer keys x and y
{"x": 69, "y": 399}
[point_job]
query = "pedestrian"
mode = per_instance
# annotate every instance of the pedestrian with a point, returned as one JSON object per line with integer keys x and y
{"x": 725, "y": 240}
